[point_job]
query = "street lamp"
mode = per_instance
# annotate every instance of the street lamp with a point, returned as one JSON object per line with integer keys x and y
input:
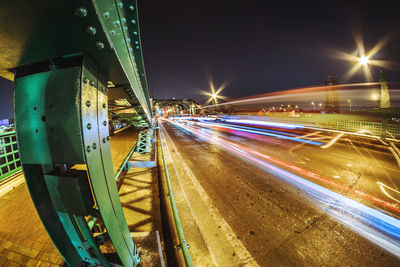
{"x": 375, "y": 97}
{"x": 348, "y": 100}
{"x": 214, "y": 98}
{"x": 363, "y": 60}
{"x": 312, "y": 103}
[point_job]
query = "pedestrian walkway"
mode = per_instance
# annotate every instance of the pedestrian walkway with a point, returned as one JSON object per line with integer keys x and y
{"x": 23, "y": 239}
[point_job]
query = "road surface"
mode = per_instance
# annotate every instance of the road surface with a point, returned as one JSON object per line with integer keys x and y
{"x": 238, "y": 211}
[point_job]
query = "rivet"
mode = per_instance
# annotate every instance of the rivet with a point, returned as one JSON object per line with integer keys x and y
{"x": 88, "y": 148}
{"x": 80, "y": 248}
{"x": 137, "y": 47}
{"x": 135, "y": 33}
{"x": 91, "y": 30}
{"x": 106, "y": 14}
{"x": 123, "y": 20}
{"x": 92, "y": 83}
{"x": 133, "y": 21}
{"x": 136, "y": 42}
{"x": 128, "y": 40}
{"x": 120, "y": 5}
{"x": 94, "y": 146}
{"x": 89, "y": 126}
{"x": 104, "y": 123}
{"x": 131, "y": 8}
{"x": 88, "y": 103}
{"x": 99, "y": 45}
{"x": 112, "y": 32}
{"x": 104, "y": 140}
{"x": 143, "y": 74}
{"x": 125, "y": 28}
{"x": 81, "y": 12}
{"x": 130, "y": 49}
{"x": 117, "y": 23}
{"x": 108, "y": 138}
{"x": 86, "y": 259}
{"x": 104, "y": 105}
{"x": 86, "y": 80}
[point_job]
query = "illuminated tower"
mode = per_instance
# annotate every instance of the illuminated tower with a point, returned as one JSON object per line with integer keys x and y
{"x": 385, "y": 97}
{"x": 331, "y": 95}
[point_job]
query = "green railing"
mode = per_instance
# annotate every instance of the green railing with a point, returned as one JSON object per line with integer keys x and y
{"x": 9, "y": 155}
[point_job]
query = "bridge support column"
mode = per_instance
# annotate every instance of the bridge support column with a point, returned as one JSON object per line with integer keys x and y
{"x": 62, "y": 129}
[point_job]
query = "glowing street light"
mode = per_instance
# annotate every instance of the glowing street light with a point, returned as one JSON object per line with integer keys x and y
{"x": 312, "y": 103}
{"x": 375, "y": 97}
{"x": 363, "y": 60}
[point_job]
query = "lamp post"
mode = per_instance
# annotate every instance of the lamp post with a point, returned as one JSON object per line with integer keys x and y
{"x": 214, "y": 98}
{"x": 349, "y": 100}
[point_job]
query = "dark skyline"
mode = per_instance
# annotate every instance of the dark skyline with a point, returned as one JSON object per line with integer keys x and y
{"x": 259, "y": 46}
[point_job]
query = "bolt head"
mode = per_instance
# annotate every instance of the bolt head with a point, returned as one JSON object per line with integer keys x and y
{"x": 105, "y": 123}
{"x": 108, "y": 138}
{"x": 89, "y": 126}
{"x": 88, "y": 149}
{"x": 90, "y": 30}
{"x": 81, "y": 12}
{"x": 86, "y": 80}
{"x": 133, "y": 21}
{"x": 99, "y": 45}
{"x": 92, "y": 83}
{"x": 106, "y": 14}
{"x": 131, "y": 8}
{"x": 104, "y": 140}
{"x": 88, "y": 103}
{"x": 94, "y": 146}
{"x": 104, "y": 105}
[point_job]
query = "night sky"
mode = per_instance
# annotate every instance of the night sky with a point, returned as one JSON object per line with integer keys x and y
{"x": 259, "y": 46}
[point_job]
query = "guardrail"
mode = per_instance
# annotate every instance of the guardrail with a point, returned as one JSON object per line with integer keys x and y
{"x": 183, "y": 244}
{"x": 9, "y": 155}
{"x": 374, "y": 128}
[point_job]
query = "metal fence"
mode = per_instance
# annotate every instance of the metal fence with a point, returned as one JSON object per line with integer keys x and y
{"x": 374, "y": 128}
{"x": 9, "y": 155}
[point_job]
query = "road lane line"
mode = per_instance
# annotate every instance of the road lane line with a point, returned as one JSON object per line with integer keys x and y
{"x": 245, "y": 258}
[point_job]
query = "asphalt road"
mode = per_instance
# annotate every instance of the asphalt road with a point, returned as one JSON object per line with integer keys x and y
{"x": 242, "y": 214}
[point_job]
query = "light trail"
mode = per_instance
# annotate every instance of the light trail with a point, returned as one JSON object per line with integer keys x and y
{"x": 374, "y": 225}
{"x": 262, "y": 133}
{"x": 332, "y": 141}
{"x": 383, "y": 187}
{"x": 267, "y": 123}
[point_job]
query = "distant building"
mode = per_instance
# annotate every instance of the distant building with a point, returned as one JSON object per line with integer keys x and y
{"x": 385, "y": 97}
{"x": 331, "y": 95}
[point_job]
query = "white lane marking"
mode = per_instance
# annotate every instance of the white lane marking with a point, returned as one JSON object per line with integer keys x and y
{"x": 382, "y": 186}
{"x": 332, "y": 141}
{"x": 245, "y": 258}
{"x": 346, "y": 157}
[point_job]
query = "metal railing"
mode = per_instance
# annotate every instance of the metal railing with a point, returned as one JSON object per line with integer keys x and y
{"x": 9, "y": 155}
{"x": 374, "y": 128}
{"x": 183, "y": 244}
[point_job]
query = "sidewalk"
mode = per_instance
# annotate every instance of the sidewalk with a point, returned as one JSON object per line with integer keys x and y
{"x": 23, "y": 239}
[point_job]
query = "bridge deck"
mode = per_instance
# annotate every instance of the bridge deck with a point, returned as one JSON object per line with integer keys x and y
{"x": 23, "y": 239}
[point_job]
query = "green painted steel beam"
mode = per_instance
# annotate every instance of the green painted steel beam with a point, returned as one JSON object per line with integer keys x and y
{"x": 61, "y": 123}
{"x": 44, "y": 30}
